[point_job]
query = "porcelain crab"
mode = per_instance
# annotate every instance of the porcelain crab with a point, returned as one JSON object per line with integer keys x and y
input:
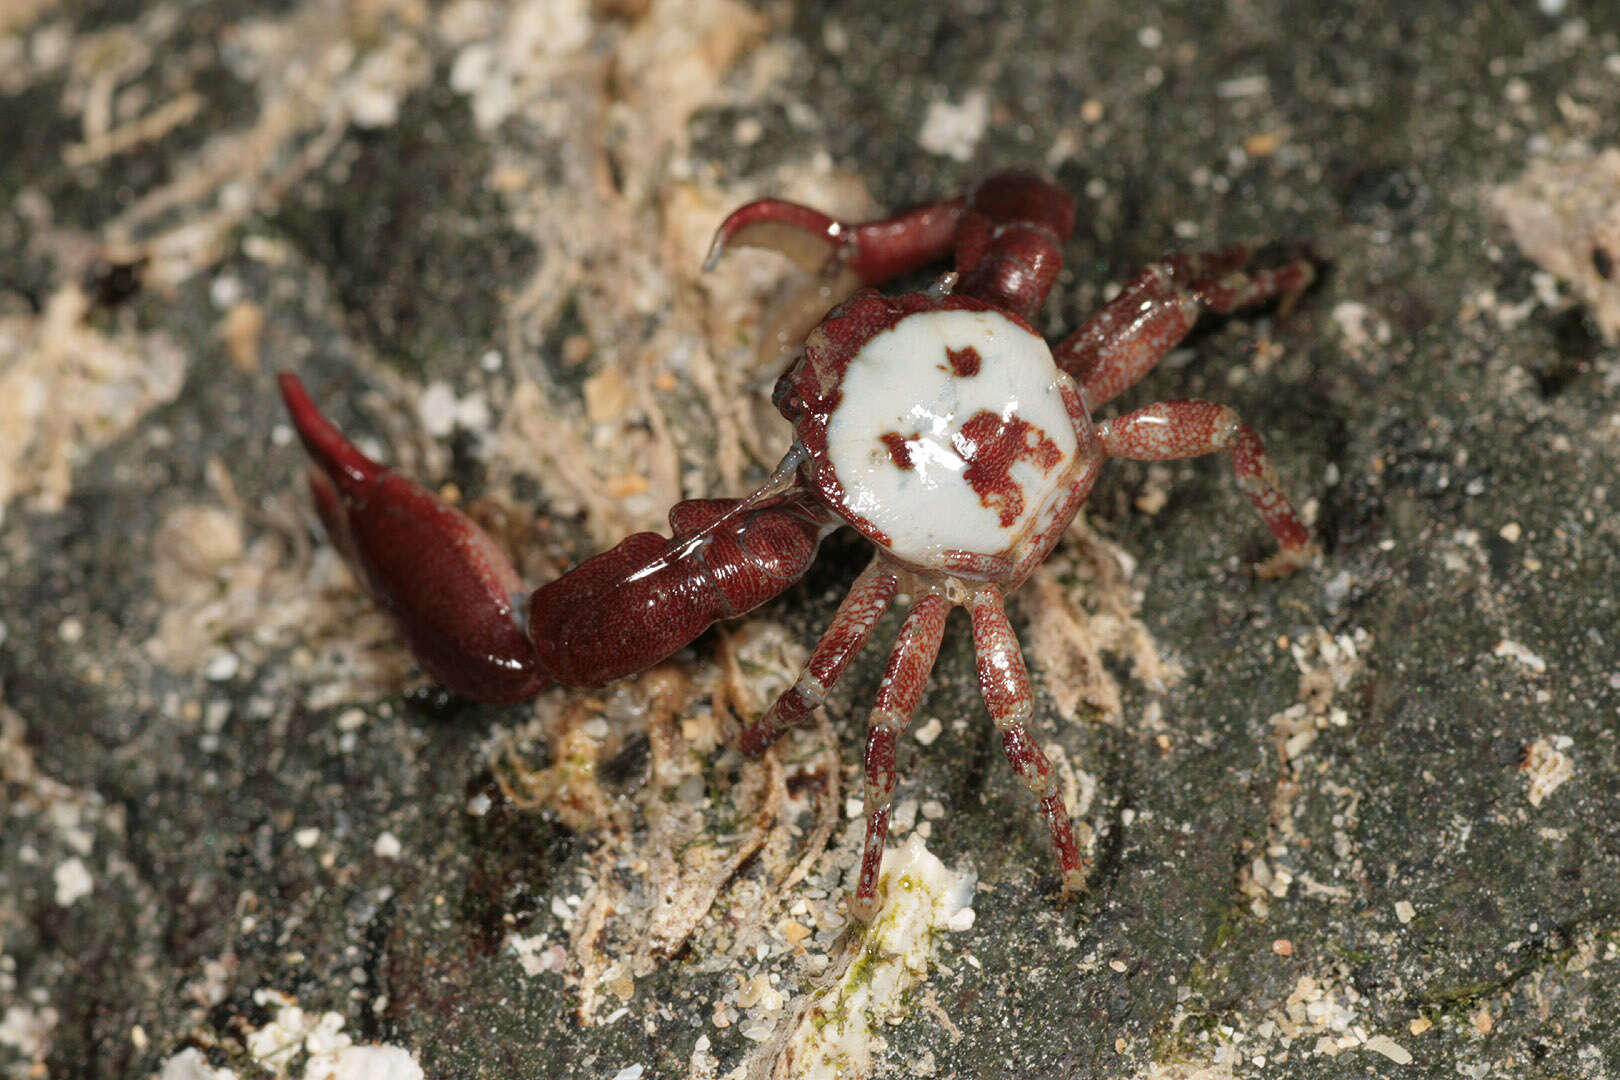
{"x": 937, "y": 423}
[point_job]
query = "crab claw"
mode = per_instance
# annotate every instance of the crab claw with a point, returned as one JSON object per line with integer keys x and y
{"x": 451, "y": 590}
{"x": 808, "y": 237}
{"x": 872, "y": 251}
{"x": 839, "y": 256}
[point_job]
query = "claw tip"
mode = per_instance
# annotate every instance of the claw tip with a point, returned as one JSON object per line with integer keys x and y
{"x": 338, "y": 458}
{"x": 716, "y": 249}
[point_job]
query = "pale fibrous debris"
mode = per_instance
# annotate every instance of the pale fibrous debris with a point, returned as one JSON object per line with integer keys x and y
{"x": 667, "y": 869}
{"x": 73, "y": 882}
{"x": 1082, "y": 605}
{"x": 1565, "y": 216}
{"x": 1383, "y": 1044}
{"x": 1326, "y": 664}
{"x": 67, "y": 388}
{"x": 28, "y": 1029}
{"x": 953, "y": 129}
{"x": 1546, "y": 766}
{"x": 1512, "y": 650}
{"x": 1360, "y": 327}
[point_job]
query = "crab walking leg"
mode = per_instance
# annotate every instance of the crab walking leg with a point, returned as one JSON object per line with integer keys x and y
{"x": 1139, "y": 327}
{"x": 844, "y": 638}
{"x": 897, "y": 698}
{"x": 1004, "y": 682}
{"x": 1009, "y": 245}
{"x": 1183, "y": 429}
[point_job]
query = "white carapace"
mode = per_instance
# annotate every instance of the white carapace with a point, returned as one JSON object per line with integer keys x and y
{"x": 897, "y": 436}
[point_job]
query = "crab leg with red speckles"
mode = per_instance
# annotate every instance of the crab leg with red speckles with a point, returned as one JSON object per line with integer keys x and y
{"x": 897, "y": 698}
{"x": 1009, "y": 246}
{"x": 1184, "y": 429}
{"x": 1004, "y": 682}
{"x": 843, "y": 639}
{"x": 1139, "y": 327}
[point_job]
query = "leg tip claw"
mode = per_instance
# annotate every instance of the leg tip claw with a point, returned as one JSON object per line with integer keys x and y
{"x": 862, "y": 909}
{"x": 1286, "y": 561}
{"x": 1074, "y": 883}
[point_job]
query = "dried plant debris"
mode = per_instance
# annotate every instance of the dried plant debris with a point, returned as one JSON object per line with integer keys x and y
{"x": 1547, "y": 766}
{"x": 1327, "y": 665}
{"x": 619, "y": 241}
{"x": 1565, "y": 217}
{"x": 1081, "y": 605}
{"x": 67, "y": 388}
{"x": 238, "y": 585}
{"x": 653, "y": 389}
{"x": 668, "y": 867}
{"x": 742, "y": 869}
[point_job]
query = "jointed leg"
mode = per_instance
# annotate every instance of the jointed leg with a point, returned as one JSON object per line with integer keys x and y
{"x": 1183, "y": 429}
{"x": 1004, "y": 682}
{"x": 897, "y": 698}
{"x": 868, "y": 598}
{"x": 1139, "y": 327}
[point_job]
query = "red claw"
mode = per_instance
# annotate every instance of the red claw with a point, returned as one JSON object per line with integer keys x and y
{"x": 874, "y": 251}
{"x": 450, "y": 589}
{"x": 630, "y": 607}
{"x": 466, "y": 615}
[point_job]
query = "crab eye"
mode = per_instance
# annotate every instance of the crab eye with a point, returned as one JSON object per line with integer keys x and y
{"x": 783, "y": 398}
{"x": 1603, "y": 263}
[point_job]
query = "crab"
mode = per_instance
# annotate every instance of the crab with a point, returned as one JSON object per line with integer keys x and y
{"x": 937, "y": 423}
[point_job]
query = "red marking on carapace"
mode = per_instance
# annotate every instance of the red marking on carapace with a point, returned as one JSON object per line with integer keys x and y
{"x": 991, "y": 446}
{"x": 964, "y": 362}
{"x": 899, "y": 450}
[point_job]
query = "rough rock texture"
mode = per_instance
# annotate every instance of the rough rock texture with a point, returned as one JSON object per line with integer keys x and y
{"x": 1363, "y": 821}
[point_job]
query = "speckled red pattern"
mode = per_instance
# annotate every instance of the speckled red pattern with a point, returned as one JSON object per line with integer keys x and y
{"x": 1004, "y": 682}
{"x": 1138, "y": 328}
{"x": 964, "y": 363}
{"x": 1055, "y": 517}
{"x": 628, "y": 608}
{"x": 810, "y": 393}
{"x": 452, "y": 591}
{"x": 897, "y": 699}
{"x": 1009, "y": 244}
{"x": 991, "y": 445}
{"x": 899, "y": 448}
{"x": 1183, "y": 429}
{"x": 868, "y": 598}
{"x": 449, "y": 589}
{"x": 457, "y": 600}
{"x": 875, "y": 250}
